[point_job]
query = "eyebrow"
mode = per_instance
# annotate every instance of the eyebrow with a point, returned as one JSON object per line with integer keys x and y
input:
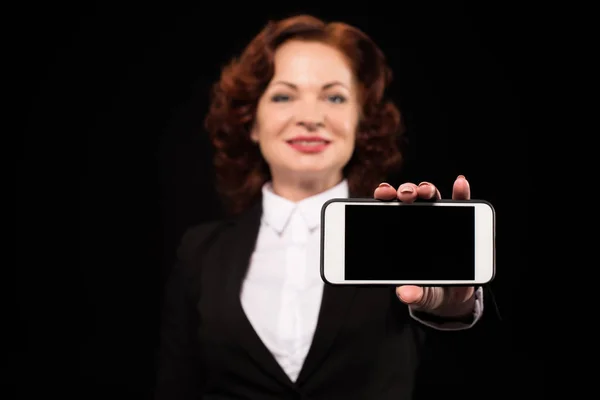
{"x": 325, "y": 87}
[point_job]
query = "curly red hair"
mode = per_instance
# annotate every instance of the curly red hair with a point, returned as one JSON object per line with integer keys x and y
{"x": 240, "y": 168}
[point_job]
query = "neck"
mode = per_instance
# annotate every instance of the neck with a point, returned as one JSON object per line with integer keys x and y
{"x": 299, "y": 189}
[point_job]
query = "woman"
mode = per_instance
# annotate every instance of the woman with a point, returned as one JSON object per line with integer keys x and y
{"x": 298, "y": 119}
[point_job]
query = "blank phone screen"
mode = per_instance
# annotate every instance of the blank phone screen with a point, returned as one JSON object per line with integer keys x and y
{"x": 411, "y": 242}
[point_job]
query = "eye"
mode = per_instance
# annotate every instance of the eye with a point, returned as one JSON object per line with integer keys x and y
{"x": 278, "y": 98}
{"x": 338, "y": 99}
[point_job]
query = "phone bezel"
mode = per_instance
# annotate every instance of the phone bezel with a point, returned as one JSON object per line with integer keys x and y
{"x": 485, "y": 248}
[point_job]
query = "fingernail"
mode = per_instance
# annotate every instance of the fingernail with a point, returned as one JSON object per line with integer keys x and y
{"x": 423, "y": 184}
{"x": 383, "y": 184}
{"x": 461, "y": 177}
{"x": 406, "y": 189}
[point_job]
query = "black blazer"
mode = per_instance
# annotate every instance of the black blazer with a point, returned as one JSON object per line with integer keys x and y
{"x": 366, "y": 345}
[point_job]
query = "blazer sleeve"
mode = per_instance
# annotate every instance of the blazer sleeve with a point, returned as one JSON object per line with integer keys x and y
{"x": 179, "y": 374}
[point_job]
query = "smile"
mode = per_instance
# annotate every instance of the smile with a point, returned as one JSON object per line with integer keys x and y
{"x": 309, "y": 145}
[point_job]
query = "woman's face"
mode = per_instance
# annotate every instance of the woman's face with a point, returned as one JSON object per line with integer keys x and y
{"x": 307, "y": 117}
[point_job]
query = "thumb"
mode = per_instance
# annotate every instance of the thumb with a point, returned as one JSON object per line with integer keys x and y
{"x": 409, "y": 294}
{"x": 421, "y": 298}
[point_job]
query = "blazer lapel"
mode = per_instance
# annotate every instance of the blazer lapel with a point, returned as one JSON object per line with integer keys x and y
{"x": 242, "y": 239}
{"x": 334, "y": 309}
{"x": 335, "y": 304}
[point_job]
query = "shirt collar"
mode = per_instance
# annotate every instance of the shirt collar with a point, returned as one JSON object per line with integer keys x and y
{"x": 277, "y": 210}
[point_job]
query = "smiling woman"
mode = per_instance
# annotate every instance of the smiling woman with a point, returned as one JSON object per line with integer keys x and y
{"x": 304, "y": 100}
{"x": 306, "y": 119}
{"x": 297, "y": 120}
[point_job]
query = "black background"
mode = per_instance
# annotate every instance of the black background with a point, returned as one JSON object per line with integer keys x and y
{"x": 113, "y": 166}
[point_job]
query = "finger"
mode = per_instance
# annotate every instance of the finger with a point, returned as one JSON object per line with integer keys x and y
{"x": 447, "y": 302}
{"x": 461, "y": 189}
{"x": 427, "y": 191}
{"x": 462, "y": 294}
{"x": 431, "y": 298}
{"x": 407, "y": 192}
{"x": 385, "y": 192}
{"x": 409, "y": 294}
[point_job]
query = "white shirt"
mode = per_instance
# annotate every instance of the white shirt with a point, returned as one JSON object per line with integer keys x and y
{"x": 282, "y": 292}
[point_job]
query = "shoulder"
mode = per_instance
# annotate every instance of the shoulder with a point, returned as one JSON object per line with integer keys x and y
{"x": 198, "y": 240}
{"x": 190, "y": 255}
{"x": 195, "y": 240}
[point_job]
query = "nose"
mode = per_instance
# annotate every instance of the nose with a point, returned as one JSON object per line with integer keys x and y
{"x": 311, "y": 126}
{"x": 311, "y": 116}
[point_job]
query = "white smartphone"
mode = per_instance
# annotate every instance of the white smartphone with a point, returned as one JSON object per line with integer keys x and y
{"x": 439, "y": 243}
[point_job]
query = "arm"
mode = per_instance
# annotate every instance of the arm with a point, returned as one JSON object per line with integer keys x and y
{"x": 179, "y": 375}
{"x": 465, "y": 318}
{"x": 178, "y": 372}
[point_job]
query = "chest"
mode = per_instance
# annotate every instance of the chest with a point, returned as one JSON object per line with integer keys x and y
{"x": 362, "y": 319}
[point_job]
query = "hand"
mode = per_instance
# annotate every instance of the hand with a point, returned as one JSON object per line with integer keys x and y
{"x": 441, "y": 301}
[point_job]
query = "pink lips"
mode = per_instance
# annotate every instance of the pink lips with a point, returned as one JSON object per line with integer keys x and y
{"x": 309, "y": 144}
